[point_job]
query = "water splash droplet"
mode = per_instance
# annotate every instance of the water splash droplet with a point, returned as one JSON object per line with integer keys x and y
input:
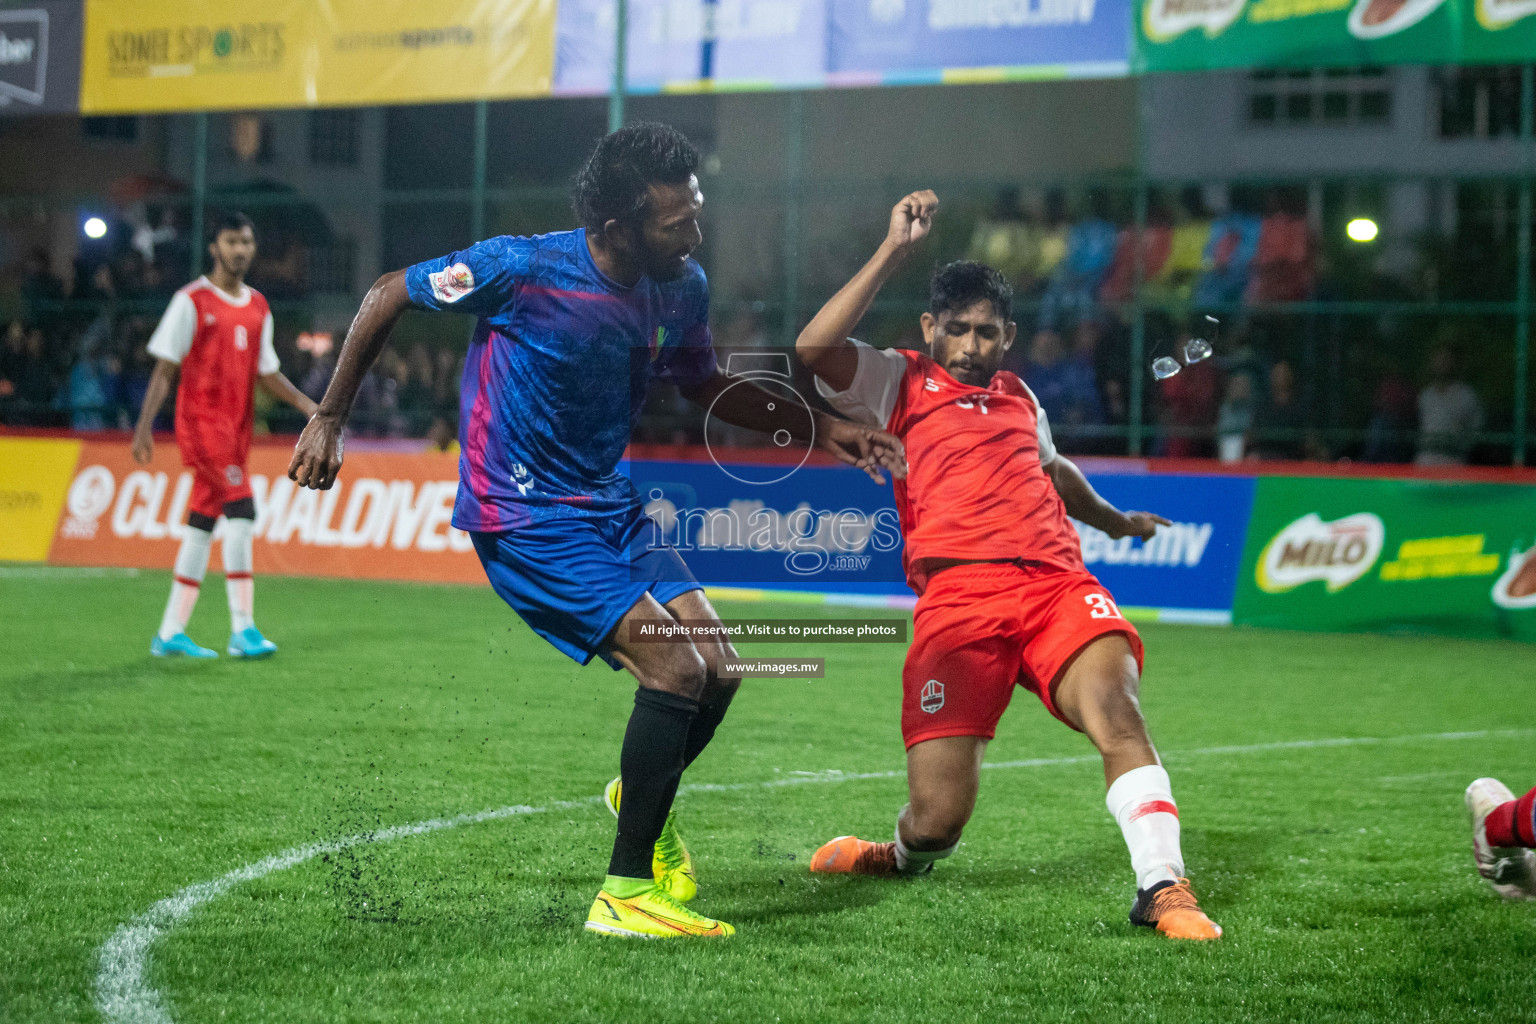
{"x": 1164, "y": 367}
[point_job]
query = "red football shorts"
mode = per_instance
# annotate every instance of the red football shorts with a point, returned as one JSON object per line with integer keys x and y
{"x": 218, "y": 475}
{"x": 980, "y": 630}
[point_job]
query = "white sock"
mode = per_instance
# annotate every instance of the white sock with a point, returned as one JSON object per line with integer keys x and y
{"x": 237, "y": 574}
{"x": 1142, "y": 802}
{"x": 191, "y": 564}
{"x": 915, "y": 862}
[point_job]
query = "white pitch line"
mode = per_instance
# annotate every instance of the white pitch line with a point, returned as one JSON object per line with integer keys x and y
{"x": 59, "y": 572}
{"x": 125, "y": 996}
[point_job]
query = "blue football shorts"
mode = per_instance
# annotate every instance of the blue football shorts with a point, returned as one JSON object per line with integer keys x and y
{"x": 572, "y": 579}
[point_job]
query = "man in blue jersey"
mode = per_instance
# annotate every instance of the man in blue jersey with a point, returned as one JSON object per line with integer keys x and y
{"x": 573, "y": 327}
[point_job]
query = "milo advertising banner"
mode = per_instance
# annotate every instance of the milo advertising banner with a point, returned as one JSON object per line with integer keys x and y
{"x": 1390, "y": 554}
{"x": 1187, "y": 35}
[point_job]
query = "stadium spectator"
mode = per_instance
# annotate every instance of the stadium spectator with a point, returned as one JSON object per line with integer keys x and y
{"x": 1053, "y": 236}
{"x": 1279, "y": 426}
{"x": 1006, "y": 239}
{"x": 31, "y": 378}
{"x": 1387, "y": 435}
{"x": 1065, "y": 383}
{"x": 1235, "y": 418}
{"x": 1120, "y": 283}
{"x": 1229, "y": 252}
{"x": 1283, "y": 263}
{"x": 1074, "y": 287}
{"x": 84, "y": 395}
{"x": 1189, "y": 404}
{"x": 413, "y": 396}
{"x": 1449, "y": 415}
{"x": 1175, "y": 279}
{"x": 38, "y": 284}
{"x": 447, "y": 372}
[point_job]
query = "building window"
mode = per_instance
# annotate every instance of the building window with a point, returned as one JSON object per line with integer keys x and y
{"x": 333, "y": 137}
{"x": 1319, "y": 96}
{"x": 331, "y": 266}
{"x": 1479, "y": 102}
{"x": 110, "y": 129}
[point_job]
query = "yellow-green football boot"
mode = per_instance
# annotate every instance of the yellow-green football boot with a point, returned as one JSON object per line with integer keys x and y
{"x": 671, "y": 865}
{"x": 653, "y": 914}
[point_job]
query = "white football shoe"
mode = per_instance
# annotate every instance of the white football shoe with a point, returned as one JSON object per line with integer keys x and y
{"x": 1511, "y": 870}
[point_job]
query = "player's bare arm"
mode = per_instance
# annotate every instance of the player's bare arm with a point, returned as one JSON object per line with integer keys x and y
{"x": 160, "y": 384}
{"x": 282, "y": 389}
{"x": 823, "y": 346}
{"x": 1086, "y": 505}
{"x": 755, "y": 409}
{"x": 317, "y": 457}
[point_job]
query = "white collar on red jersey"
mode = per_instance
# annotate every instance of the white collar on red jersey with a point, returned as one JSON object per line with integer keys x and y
{"x": 243, "y": 299}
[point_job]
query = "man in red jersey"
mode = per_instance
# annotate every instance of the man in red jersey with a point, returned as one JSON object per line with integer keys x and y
{"x": 217, "y": 333}
{"x": 1003, "y": 596}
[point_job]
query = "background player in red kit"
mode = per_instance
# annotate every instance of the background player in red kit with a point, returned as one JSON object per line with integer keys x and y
{"x": 217, "y": 333}
{"x": 1004, "y": 598}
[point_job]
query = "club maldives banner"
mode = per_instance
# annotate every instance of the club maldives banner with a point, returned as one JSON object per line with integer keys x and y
{"x": 1390, "y": 554}
{"x": 158, "y": 55}
{"x": 1185, "y": 35}
{"x": 40, "y": 57}
{"x": 749, "y": 529}
{"x": 1288, "y": 552}
{"x": 746, "y": 44}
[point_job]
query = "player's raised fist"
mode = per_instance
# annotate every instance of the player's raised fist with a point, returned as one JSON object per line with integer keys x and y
{"x": 317, "y": 457}
{"x": 912, "y": 218}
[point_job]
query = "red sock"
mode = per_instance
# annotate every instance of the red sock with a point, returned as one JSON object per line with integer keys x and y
{"x": 1525, "y": 818}
{"x": 1511, "y": 824}
{"x": 1499, "y": 826}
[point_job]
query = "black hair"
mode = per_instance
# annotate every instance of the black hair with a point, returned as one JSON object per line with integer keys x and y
{"x": 963, "y": 283}
{"x": 614, "y": 183}
{"x": 233, "y": 220}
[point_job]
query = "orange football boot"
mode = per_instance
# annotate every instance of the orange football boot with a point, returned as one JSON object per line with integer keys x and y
{"x": 1172, "y": 909}
{"x": 850, "y": 855}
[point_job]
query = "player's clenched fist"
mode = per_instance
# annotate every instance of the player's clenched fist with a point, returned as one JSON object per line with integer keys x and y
{"x": 912, "y": 218}
{"x": 317, "y": 457}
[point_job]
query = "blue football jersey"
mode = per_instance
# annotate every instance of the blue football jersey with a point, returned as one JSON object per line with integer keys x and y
{"x": 557, "y": 372}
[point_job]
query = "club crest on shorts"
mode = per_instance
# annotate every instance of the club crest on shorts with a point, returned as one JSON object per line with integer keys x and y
{"x": 233, "y": 475}
{"x": 932, "y": 697}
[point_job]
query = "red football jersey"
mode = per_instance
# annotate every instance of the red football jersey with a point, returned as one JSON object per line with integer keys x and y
{"x": 976, "y": 486}
{"x": 222, "y": 343}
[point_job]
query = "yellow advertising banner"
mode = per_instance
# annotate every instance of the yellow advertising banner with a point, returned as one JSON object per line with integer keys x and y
{"x": 163, "y": 55}
{"x": 34, "y": 475}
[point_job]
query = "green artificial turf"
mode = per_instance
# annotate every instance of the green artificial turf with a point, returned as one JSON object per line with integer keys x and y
{"x": 1341, "y": 872}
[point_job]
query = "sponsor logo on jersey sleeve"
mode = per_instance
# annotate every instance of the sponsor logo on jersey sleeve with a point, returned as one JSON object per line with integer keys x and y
{"x": 1310, "y": 550}
{"x": 452, "y": 283}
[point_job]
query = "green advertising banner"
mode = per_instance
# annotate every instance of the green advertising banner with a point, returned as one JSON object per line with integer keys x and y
{"x": 1191, "y": 35}
{"x": 1333, "y": 554}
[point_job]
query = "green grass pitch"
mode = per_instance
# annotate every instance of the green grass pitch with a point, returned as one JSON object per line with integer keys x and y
{"x": 1341, "y": 872}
